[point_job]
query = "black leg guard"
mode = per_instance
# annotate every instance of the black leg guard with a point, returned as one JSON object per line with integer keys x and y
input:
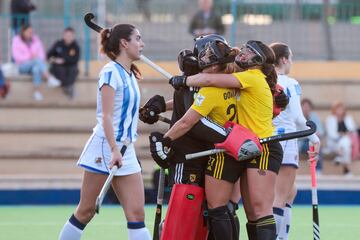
{"x": 266, "y": 228}
{"x": 220, "y": 223}
{"x": 232, "y": 208}
{"x": 251, "y": 230}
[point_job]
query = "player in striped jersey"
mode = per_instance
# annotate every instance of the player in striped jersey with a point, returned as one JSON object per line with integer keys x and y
{"x": 289, "y": 120}
{"x": 118, "y": 101}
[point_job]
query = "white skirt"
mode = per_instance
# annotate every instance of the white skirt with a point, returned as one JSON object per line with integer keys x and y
{"x": 96, "y": 157}
{"x": 291, "y": 153}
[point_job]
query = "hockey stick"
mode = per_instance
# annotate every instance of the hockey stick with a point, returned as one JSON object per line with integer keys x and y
{"x": 159, "y": 202}
{"x": 314, "y": 198}
{"x": 155, "y": 67}
{"x": 107, "y": 184}
{"x": 275, "y": 138}
{"x": 88, "y": 20}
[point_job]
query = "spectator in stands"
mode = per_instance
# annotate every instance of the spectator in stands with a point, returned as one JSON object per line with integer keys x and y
{"x": 206, "y": 21}
{"x": 20, "y": 13}
{"x": 309, "y": 113}
{"x": 340, "y": 127}
{"x": 64, "y": 57}
{"x": 4, "y": 86}
{"x": 28, "y": 53}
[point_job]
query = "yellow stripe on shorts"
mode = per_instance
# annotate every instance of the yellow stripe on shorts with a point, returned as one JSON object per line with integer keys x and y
{"x": 267, "y": 156}
{"x": 264, "y": 160}
{"x": 219, "y": 165}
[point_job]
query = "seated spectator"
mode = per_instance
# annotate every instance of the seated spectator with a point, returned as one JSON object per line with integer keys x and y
{"x": 64, "y": 58}
{"x": 206, "y": 21}
{"x": 28, "y": 53}
{"x": 4, "y": 86}
{"x": 339, "y": 128}
{"x": 309, "y": 113}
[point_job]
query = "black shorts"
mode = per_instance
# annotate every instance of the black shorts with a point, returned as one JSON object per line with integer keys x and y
{"x": 223, "y": 167}
{"x": 270, "y": 158}
{"x": 188, "y": 172}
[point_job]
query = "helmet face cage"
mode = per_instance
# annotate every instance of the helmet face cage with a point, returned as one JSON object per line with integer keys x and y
{"x": 212, "y": 54}
{"x": 212, "y": 49}
{"x": 250, "y": 55}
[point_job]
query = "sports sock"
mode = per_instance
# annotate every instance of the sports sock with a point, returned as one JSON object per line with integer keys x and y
{"x": 266, "y": 228}
{"x": 251, "y": 230}
{"x": 232, "y": 208}
{"x": 287, "y": 222}
{"x": 72, "y": 229}
{"x": 220, "y": 223}
{"x": 138, "y": 231}
{"x": 279, "y": 219}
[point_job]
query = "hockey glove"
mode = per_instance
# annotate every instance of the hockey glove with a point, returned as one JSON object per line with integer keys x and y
{"x": 160, "y": 149}
{"x": 149, "y": 112}
{"x": 178, "y": 82}
{"x": 241, "y": 143}
{"x": 281, "y": 100}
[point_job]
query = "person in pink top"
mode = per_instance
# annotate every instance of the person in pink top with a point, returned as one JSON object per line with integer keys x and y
{"x": 28, "y": 53}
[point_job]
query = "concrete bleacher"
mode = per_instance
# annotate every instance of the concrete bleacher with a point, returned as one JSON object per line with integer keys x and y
{"x": 40, "y": 142}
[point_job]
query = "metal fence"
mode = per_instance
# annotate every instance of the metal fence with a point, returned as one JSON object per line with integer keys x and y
{"x": 314, "y": 30}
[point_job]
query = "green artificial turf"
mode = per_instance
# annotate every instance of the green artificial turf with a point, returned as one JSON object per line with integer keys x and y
{"x": 45, "y": 222}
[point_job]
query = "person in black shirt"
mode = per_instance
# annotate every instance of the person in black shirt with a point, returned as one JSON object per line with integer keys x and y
{"x": 206, "y": 20}
{"x": 20, "y": 13}
{"x": 64, "y": 56}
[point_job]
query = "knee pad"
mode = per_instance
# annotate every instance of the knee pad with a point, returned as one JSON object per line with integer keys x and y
{"x": 184, "y": 217}
{"x": 222, "y": 223}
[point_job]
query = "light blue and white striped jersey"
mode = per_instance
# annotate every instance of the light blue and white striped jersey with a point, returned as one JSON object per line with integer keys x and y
{"x": 292, "y": 118}
{"x": 126, "y": 102}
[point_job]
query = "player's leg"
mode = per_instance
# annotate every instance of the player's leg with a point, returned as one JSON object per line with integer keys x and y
{"x": 90, "y": 189}
{"x": 221, "y": 174}
{"x": 261, "y": 176}
{"x": 129, "y": 190}
{"x": 233, "y": 205}
{"x": 284, "y": 184}
{"x": 250, "y": 225}
{"x": 284, "y": 231}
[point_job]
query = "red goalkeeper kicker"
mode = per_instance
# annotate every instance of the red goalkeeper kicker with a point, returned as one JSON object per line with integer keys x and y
{"x": 314, "y": 198}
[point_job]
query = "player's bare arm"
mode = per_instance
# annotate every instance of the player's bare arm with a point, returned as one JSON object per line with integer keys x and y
{"x": 213, "y": 80}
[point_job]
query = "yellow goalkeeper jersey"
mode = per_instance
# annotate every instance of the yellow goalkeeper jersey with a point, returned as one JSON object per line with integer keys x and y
{"x": 255, "y": 105}
{"x": 219, "y": 104}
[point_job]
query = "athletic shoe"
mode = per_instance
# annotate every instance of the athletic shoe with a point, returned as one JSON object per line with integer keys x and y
{"x": 38, "y": 96}
{"x": 53, "y": 82}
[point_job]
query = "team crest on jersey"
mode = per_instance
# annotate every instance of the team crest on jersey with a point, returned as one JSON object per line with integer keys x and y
{"x": 98, "y": 160}
{"x": 253, "y": 161}
{"x": 192, "y": 177}
{"x": 199, "y": 100}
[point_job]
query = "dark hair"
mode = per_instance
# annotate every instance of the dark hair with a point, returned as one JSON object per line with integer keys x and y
{"x": 268, "y": 67}
{"x": 281, "y": 50}
{"x": 69, "y": 29}
{"x": 110, "y": 42}
{"x": 23, "y": 29}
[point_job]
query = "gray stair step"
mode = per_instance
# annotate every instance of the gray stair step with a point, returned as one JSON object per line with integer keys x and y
{"x": 65, "y": 120}
{"x": 21, "y": 94}
{"x": 53, "y": 174}
{"x": 53, "y": 146}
